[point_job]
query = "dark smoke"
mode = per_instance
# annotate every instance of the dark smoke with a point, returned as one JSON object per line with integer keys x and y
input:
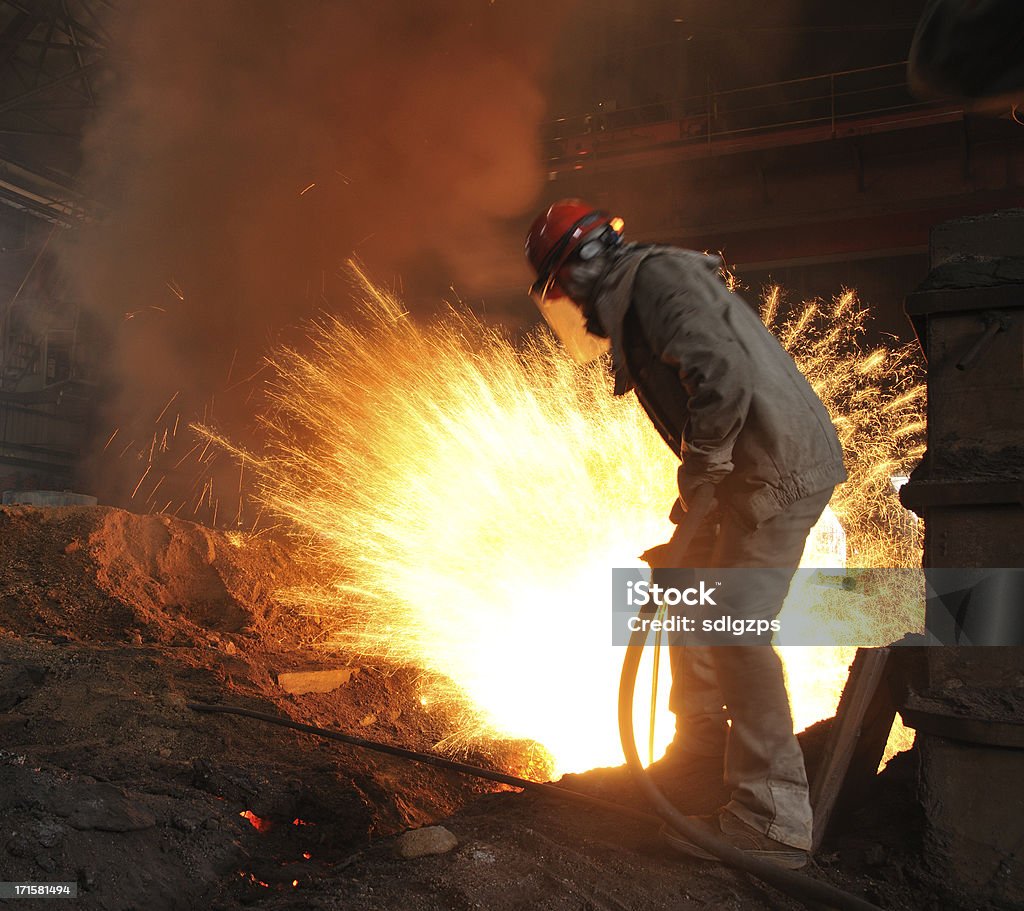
{"x": 415, "y": 123}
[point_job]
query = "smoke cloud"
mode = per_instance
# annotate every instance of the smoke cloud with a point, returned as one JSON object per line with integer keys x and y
{"x": 246, "y": 148}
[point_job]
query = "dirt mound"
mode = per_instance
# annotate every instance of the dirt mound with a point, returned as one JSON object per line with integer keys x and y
{"x": 165, "y": 568}
{"x": 95, "y": 573}
{"x": 109, "y": 624}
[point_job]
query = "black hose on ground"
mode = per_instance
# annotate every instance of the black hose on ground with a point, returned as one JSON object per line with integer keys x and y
{"x": 809, "y": 891}
{"x": 438, "y": 762}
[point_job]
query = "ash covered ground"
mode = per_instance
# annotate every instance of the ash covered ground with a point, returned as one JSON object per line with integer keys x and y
{"x": 111, "y": 622}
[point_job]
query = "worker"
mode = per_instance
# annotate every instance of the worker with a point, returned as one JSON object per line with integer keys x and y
{"x": 747, "y": 426}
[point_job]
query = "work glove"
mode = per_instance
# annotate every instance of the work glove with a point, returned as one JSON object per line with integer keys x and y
{"x": 688, "y": 521}
{"x": 688, "y": 488}
{"x": 661, "y": 556}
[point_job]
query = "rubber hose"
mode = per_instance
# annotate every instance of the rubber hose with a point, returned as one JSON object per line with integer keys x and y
{"x": 438, "y": 762}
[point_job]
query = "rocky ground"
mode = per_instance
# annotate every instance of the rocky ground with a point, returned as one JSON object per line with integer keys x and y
{"x": 111, "y": 622}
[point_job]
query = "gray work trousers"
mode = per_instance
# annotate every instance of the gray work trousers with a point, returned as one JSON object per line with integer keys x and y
{"x": 764, "y": 766}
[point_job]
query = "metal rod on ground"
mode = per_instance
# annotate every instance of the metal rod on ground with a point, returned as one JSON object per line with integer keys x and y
{"x": 552, "y": 790}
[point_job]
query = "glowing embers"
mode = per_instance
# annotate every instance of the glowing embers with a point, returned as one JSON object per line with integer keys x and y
{"x": 251, "y": 877}
{"x": 280, "y": 860}
{"x": 260, "y": 825}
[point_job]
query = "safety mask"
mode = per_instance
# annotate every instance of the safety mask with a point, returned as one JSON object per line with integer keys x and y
{"x": 566, "y": 320}
{"x": 563, "y": 315}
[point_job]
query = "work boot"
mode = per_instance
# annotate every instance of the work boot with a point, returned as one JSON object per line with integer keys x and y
{"x": 735, "y": 832}
{"x": 680, "y": 764}
{"x": 692, "y": 782}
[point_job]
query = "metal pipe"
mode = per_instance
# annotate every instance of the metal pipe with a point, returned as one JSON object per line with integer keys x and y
{"x": 439, "y": 762}
{"x": 993, "y": 326}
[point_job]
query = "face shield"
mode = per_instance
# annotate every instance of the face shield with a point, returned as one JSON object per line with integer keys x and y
{"x": 566, "y": 320}
{"x": 562, "y": 314}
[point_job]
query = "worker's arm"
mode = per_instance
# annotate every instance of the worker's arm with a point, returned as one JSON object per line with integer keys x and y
{"x": 685, "y": 320}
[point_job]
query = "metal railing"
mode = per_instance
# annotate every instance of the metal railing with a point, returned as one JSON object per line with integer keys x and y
{"x": 827, "y": 100}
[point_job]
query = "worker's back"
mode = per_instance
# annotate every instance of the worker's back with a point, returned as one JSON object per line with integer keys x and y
{"x": 755, "y": 424}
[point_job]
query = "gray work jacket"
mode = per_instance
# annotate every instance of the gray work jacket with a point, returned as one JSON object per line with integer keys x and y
{"x": 715, "y": 382}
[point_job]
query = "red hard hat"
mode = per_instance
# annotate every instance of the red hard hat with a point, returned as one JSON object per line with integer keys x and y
{"x": 557, "y": 233}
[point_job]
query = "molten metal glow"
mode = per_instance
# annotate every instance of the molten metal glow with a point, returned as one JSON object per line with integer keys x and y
{"x": 260, "y": 825}
{"x": 464, "y": 498}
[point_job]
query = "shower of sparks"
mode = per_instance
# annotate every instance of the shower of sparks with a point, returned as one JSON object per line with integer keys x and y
{"x": 462, "y": 500}
{"x": 876, "y": 400}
